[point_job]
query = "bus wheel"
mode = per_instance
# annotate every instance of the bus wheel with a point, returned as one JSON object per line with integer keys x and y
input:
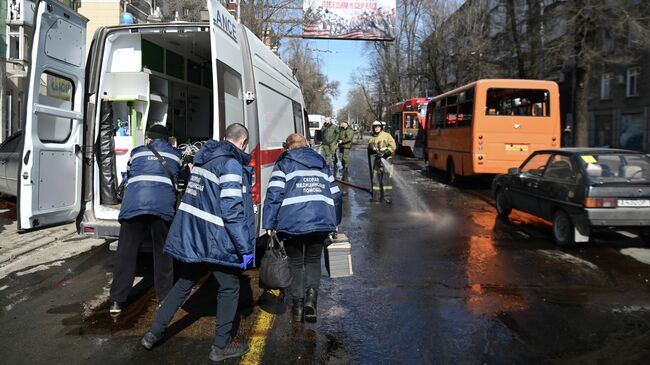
{"x": 563, "y": 229}
{"x": 451, "y": 172}
{"x": 503, "y": 207}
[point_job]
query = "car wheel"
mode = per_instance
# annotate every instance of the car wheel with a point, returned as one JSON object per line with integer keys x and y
{"x": 451, "y": 172}
{"x": 503, "y": 206}
{"x": 563, "y": 229}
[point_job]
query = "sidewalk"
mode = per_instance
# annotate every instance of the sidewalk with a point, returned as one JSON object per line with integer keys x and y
{"x": 14, "y": 244}
{"x": 36, "y": 249}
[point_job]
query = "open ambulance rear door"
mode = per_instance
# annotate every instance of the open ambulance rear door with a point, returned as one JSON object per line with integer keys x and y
{"x": 226, "y": 43}
{"x": 49, "y": 186}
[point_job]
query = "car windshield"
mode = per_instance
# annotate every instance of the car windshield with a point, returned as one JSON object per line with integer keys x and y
{"x": 615, "y": 167}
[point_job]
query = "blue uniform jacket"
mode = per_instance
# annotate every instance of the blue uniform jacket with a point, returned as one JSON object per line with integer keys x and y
{"x": 149, "y": 189}
{"x": 215, "y": 221}
{"x": 302, "y": 197}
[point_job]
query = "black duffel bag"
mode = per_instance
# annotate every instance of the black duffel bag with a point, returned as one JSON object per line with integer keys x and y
{"x": 274, "y": 267}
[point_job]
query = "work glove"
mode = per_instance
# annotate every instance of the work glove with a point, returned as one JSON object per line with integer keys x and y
{"x": 385, "y": 153}
{"x": 247, "y": 260}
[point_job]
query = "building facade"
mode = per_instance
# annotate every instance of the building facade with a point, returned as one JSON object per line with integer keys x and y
{"x": 532, "y": 39}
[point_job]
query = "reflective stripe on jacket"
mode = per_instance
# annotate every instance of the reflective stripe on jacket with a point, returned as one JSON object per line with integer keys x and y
{"x": 149, "y": 189}
{"x": 215, "y": 222}
{"x": 301, "y": 197}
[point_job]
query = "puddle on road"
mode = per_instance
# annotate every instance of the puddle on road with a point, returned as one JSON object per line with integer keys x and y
{"x": 639, "y": 254}
{"x": 98, "y": 321}
{"x": 563, "y": 256}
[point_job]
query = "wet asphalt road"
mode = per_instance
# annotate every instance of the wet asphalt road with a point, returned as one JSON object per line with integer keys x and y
{"x": 437, "y": 280}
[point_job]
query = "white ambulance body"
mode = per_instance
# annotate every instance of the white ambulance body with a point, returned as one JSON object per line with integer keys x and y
{"x": 316, "y": 122}
{"x": 195, "y": 78}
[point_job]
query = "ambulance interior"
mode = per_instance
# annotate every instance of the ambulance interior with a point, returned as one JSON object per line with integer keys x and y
{"x": 149, "y": 77}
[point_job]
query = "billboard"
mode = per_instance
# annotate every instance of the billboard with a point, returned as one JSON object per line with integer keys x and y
{"x": 350, "y": 19}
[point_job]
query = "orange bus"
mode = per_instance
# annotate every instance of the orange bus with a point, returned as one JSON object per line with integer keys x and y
{"x": 489, "y": 126}
{"x": 406, "y": 122}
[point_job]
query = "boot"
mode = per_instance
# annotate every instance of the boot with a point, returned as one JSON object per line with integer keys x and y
{"x": 311, "y": 297}
{"x": 296, "y": 310}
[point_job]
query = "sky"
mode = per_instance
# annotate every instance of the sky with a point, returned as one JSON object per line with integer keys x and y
{"x": 340, "y": 59}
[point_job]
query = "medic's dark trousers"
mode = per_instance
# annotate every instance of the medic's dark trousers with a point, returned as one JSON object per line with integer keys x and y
{"x": 227, "y": 299}
{"x": 133, "y": 232}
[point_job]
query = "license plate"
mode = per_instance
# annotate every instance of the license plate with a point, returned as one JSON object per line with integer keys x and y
{"x": 517, "y": 147}
{"x": 634, "y": 203}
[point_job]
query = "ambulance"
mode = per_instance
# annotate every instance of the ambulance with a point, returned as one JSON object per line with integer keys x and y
{"x": 316, "y": 122}
{"x": 85, "y": 115}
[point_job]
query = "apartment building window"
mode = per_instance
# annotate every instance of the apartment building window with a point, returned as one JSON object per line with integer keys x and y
{"x": 603, "y": 131}
{"x": 633, "y": 81}
{"x": 605, "y": 82}
{"x": 632, "y": 132}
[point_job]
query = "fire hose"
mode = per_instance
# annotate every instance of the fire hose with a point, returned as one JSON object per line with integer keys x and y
{"x": 354, "y": 185}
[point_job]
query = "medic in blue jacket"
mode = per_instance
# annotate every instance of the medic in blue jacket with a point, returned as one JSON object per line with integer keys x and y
{"x": 303, "y": 204}
{"x": 146, "y": 213}
{"x": 215, "y": 222}
{"x": 149, "y": 189}
{"x": 302, "y": 197}
{"x": 214, "y": 230}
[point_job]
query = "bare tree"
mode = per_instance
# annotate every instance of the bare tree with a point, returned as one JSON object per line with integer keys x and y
{"x": 601, "y": 33}
{"x": 270, "y": 20}
{"x": 394, "y": 74}
{"x": 515, "y": 41}
{"x": 359, "y": 108}
{"x": 435, "y": 58}
{"x": 187, "y": 10}
{"x": 455, "y": 51}
{"x": 372, "y": 92}
{"x": 317, "y": 90}
{"x": 535, "y": 28}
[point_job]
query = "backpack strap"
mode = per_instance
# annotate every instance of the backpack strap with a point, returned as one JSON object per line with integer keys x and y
{"x": 164, "y": 164}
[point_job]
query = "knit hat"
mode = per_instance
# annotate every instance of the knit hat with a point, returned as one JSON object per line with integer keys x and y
{"x": 158, "y": 131}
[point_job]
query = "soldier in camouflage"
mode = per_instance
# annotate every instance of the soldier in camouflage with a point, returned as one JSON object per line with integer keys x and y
{"x": 330, "y": 134}
{"x": 346, "y": 134}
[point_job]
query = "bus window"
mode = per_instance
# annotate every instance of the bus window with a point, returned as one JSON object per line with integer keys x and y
{"x": 465, "y": 111}
{"x": 423, "y": 110}
{"x": 465, "y": 108}
{"x": 520, "y": 102}
{"x": 451, "y": 115}
{"x": 438, "y": 118}
{"x": 411, "y": 121}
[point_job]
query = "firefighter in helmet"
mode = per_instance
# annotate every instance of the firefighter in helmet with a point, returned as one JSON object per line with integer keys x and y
{"x": 380, "y": 154}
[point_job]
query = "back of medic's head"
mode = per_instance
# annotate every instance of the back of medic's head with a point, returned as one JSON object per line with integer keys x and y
{"x": 236, "y": 132}
{"x": 158, "y": 131}
{"x": 295, "y": 141}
